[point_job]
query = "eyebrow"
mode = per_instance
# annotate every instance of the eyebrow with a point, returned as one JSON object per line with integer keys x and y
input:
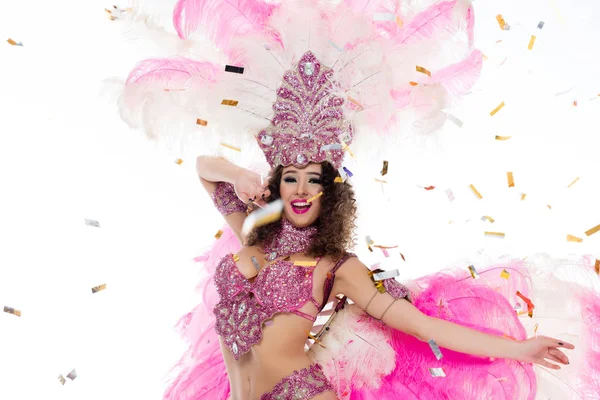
{"x": 308, "y": 173}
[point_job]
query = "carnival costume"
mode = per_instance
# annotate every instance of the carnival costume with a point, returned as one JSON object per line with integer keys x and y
{"x": 305, "y": 81}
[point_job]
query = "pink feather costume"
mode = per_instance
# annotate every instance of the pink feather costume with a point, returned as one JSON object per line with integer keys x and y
{"x": 373, "y": 48}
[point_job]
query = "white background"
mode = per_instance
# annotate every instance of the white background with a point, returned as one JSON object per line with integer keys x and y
{"x": 65, "y": 156}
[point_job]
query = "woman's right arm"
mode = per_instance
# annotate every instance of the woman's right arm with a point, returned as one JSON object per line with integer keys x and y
{"x": 230, "y": 187}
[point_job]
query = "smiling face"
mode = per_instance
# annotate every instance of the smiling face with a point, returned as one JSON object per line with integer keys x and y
{"x": 296, "y": 187}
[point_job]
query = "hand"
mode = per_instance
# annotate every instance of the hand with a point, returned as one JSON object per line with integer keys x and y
{"x": 541, "y": 350}
{"x": 250, "y": 189}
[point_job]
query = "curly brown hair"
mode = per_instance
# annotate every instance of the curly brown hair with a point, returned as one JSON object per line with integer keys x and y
{"x": 336, "y": 221}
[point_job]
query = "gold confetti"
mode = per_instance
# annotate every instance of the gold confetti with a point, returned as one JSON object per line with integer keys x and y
{"x": 574, "y": 103}
{"x": 346, "y": 148}
{"x": 201, "y": 122}
{"x": 531, "y": 42}
{"x": 12, "y": 311}
{"x": 501, "y": 21}
{"x": 572, "y": 183}
{"x": 511, "y": 180}
{"x": 263, "y": 216}
{"x": 61, "y": 379}
{"x": 597, "y": 266}
{"x": 535, "y": 328}
{"x": 370, "y": 242}
{"x": 179, "y": 161}
{"x": 473, "y": 272}
{"x": 502, "y": 137}
{"x": 411, "y": 83}
{"x": 437, "y": 372}
{"x": 505, "y": 274}
{"x": 384, "y": 170}
{"x": 380, "y": 180}
{"x": 495, "y": 234}
{"x": 495, "y": 110}
{"x": 338, "y": 179}
{"x": 488, "y": 218}
{"x": 97, "y": 289}
{"x": 231, "y": 147}
{"x": 236, "y": 258}
{"x": 355, "y": 102}
{"x": 523, "y": 195}
{"x": 218, "y": 234}
{"x": 476, "y": 192}
{"x": 423, "y": 71}
{"x": 436, "y": 349}
{"x": 399, "y": 22}
{"x": 574, "y": 239}
{"x": 305, "y": 263}
{"x": 14, "y": 43}
{"x": 314, "y": 197}
{"x": 549, "y": 206}
{"x": 595, "y": 229}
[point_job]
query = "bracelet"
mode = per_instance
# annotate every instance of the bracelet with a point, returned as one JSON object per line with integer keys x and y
{"x": 226, "y": 200}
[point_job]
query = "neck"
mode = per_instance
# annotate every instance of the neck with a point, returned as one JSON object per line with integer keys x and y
{"x": 289, "y": 239}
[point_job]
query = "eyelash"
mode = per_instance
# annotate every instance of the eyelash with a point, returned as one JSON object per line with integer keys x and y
{"x": 312, "y": 180}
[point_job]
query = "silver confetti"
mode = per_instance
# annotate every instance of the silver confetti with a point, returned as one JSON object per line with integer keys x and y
{"x": 386, "y": 275}
{"x": 61, "y": 379}
{"x": 541, "y": 25}
{"x": 455, "y": 120}
{"x": 72, "y": 375}
{"x": 255, "y": 263}
{"x": 91, "y": 222}
{"x": 437, "y": 372}
{"x": 436, "y": 349}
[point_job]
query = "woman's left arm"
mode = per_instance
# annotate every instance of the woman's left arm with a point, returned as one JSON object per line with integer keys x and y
{"x": 354, "y": 281}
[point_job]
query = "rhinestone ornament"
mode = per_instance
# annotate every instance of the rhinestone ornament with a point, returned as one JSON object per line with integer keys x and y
{"x": 307, "y": 117}
{"x": 301, "y": 385}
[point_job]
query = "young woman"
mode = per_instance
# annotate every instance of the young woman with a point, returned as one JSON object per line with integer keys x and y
{"x": 265, "y": 357}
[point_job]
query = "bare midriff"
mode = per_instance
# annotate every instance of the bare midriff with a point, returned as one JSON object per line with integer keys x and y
{"x": 279, "y": 353}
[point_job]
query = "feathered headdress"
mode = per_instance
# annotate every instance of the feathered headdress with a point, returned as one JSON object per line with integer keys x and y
{"x": 378, "y": 63}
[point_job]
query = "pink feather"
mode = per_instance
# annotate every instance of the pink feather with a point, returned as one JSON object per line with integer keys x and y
{"x": 437, "y": 18}
{"x": 221, "y": 20}
{"x": 459, "y": 78}
{"x": 171, "y": 70}
{"x": 201, "y": 372}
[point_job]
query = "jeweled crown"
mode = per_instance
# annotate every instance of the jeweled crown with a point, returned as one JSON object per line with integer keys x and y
{"x": 309, "y": 123}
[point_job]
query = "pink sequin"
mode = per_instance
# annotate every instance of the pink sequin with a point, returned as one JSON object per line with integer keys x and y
{"x": 301, "y": 385}
{"x": 307, "y": 117}
{"x": 395, "y": 288}
{"x": 225, "y": 199}
{"x": 279, "y": 287}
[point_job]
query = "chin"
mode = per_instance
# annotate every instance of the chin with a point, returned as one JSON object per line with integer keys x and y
{"x": 300, "y": 221}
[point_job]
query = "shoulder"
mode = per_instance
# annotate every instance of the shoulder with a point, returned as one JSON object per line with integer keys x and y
{"x": 350, "y": 272}
{"x": 339, "y": 263}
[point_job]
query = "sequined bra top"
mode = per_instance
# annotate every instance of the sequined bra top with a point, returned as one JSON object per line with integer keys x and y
{"x": 279, "y": 287}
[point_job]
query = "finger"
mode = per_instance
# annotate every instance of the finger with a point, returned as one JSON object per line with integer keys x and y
{"x": 261, "y": 203}
{"x": 560, "y": 343}
{"x": 547, "y": 364}
{"x": 560, "y": 355}
{"x": 555, "y": 359}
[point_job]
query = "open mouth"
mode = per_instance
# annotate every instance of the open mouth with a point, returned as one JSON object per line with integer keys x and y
{"x": 300, "y": 206}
